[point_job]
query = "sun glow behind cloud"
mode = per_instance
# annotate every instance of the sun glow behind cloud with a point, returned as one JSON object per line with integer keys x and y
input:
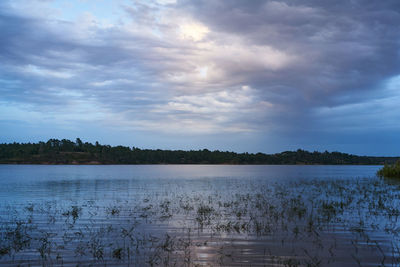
{"x": 193, "y": 31}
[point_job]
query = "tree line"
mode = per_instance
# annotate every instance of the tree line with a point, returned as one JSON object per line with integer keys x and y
{"x": 64, "y": 151}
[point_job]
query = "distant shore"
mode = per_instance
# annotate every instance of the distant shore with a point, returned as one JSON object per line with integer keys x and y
{"x": 230, "y": 164}
{"x": 66, "y": 152}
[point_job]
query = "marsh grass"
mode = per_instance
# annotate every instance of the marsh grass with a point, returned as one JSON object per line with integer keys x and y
{"x": 302, "y": 223}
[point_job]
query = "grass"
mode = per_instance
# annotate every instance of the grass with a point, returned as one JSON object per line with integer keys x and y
{"x": 390, "y": 171}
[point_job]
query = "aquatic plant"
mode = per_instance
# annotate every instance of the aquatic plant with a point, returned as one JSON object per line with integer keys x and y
{"x": 204, "y": 214}
{"x": 74, "y": 212}
{"x": 300, "y": 223}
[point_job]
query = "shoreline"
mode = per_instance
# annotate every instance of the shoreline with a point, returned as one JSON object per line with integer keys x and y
{"x": 216, "y": 164}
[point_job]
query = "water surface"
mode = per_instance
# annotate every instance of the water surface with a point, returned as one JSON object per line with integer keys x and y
{"x": 198, "y": 215}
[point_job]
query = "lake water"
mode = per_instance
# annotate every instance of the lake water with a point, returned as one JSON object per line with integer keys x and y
{"x": 198, "y": 215}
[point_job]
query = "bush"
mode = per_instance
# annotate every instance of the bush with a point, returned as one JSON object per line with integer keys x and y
{"x": 390, "y": 171}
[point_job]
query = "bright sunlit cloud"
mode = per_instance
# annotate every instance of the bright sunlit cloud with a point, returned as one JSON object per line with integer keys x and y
{"x": 193, "y": 31}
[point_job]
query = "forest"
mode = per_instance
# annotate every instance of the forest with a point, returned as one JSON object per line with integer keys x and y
{"x": 64, "y": 151}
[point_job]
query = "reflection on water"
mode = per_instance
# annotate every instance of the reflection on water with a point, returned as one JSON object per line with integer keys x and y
{"x": 198, "y": 215}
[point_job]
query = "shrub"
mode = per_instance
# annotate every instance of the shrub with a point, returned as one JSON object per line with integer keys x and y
{"x": 390, "y": 171}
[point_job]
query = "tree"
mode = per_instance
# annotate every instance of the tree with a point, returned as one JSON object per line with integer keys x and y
{"x": 79, "y": 144}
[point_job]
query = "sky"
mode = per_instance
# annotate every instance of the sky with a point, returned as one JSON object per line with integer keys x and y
{"x": 256, "y": 76}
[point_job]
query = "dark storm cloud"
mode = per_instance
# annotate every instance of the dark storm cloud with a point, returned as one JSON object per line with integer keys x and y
{"x": 347, "y": 47}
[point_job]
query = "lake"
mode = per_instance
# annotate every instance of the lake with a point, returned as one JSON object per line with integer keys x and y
{"x": 198, "y": 215}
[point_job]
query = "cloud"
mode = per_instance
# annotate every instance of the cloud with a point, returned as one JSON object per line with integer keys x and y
{"x": 203, "y": 67}
{"x": 341, "y": 49}
{"x": 193, "y": 31}
{"x": 224, "y": 111}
